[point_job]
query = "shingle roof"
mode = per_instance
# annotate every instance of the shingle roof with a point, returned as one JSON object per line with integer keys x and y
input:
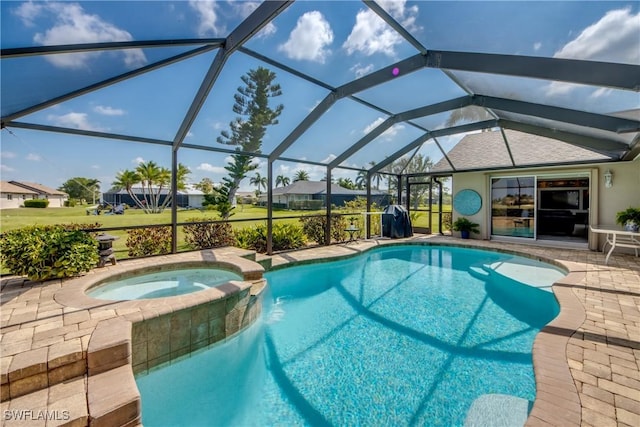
{"x": 38, "y": 188}
{"x": 8, "y": 187}
{"x": 487, "y": 150}
{"x": 319, "y": 187}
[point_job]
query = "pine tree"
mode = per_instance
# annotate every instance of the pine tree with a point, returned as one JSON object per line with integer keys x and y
{"x": 248, "y": 129}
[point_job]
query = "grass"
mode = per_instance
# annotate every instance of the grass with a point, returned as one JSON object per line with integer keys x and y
{"x": 11, "y": 219}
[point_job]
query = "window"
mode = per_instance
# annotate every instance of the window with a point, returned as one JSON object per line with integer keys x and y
{"x": 9, "y": 196}
{"x": 513, "y": 206}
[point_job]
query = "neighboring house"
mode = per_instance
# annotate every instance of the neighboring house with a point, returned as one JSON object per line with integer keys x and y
{"x": 194, "y": 197}
{"x": 187, "y": 198}
{"x": 14, "y": 193}
{"x": 13, "y": 196}
{"x": 534, "y": 188}
{"x": 295, "y": 194}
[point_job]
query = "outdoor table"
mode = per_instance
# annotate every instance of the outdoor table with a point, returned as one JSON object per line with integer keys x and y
{"x": 617, "y": 237}
{"x": 352, "y": 230}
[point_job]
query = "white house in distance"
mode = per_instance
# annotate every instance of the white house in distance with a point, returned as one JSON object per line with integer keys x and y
{"x": 14, "y": 193}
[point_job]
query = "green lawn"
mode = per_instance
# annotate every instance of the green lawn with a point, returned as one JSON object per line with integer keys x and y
{"x": 11, "y": 219}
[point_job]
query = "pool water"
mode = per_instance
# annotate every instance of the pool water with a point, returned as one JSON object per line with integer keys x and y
{"x": 404, "y": 335}
{"x": 163, "y": 284}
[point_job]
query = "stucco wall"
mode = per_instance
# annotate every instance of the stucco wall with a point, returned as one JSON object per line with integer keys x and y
{"x": 625, "y": 191}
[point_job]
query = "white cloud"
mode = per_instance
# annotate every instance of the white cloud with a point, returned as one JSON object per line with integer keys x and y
{"x": 34, "y": 157}
{"x": 330, "y": 158}
{"x": 244, "y": 9}
{"x": 5, "y": 168}
{"x": 210, "y": 168}
{"x": 95, "y": 166}
{"x": 361, "y": 70}
{"x": 601, "y": 92}
{"x": 108, "y": 111}
{"x": 74, "y": 25}
{"x": 7, "y": 155}
{"x": 28, "y": 12}
{"x": 614, "y": 38}
{"x": 207, "y": 12}
{"x": 309, "y": 39}
{"x": 72, "y": 120}
{"x": 371, "y": 34}
{"x": 137, "y": 160}
{"x": 537, "y": 46}
{"x": 387, "y": 134}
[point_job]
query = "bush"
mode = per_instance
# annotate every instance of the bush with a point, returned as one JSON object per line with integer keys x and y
{"x": 36, "y": 203}
{"x": 44, "y": 252}
{"x": 447, "y": 219}
{"x": 149, "y": 241}
{"x": 72, "y": 226}
{"x": 314, "y": 226}
{"x": 70, "y": 203}
{"x": 284, "y": 237}
{"x": 208, "y": 235}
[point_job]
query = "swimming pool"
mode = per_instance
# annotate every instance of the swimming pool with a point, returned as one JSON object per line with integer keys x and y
{"x": 398, "y": 335}
{"x": 160, "y": 284}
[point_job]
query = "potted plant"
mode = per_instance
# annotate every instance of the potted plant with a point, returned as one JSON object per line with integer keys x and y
{"x": 465, "y": 226}
{"x": 629, "y": 219}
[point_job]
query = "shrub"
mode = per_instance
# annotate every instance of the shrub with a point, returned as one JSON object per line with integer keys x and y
{"x": 284, "y": 236}
{"x": 72, "y": 226}
{"x": 149, "y": 241}
{"x": 314, "y": 226}
{"x": 447, "y": 219}
{"x": 70, "y": 203}
{"x": 36, "y": 203}
{"x": 44, "y": 252}
{"x": 208, "y": 235}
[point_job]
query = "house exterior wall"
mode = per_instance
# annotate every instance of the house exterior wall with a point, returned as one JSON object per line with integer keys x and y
{"x": 605, "y": 202}
{"x": 12, "y": 200}
{"x": 195, "y": 200}
{"x": 54, "y": 201}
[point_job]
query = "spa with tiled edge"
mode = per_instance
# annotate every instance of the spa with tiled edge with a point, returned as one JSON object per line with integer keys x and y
{"x": 134, "y": 335}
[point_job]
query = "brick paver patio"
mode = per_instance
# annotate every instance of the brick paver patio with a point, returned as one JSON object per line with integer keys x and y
{"x": 587, "y": 361}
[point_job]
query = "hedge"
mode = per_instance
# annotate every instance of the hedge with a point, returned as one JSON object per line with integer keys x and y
{"x": 36, "y": 203}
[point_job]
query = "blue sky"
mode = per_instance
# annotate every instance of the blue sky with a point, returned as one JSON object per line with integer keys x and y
{"x": 333, "y": 41}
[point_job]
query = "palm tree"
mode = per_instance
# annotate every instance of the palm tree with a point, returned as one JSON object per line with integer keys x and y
{"x": 346, "y": 183}
{"x": 284, "y": 180}
{"x": 300, "y": 175}
{"x": 153, "y": 179}
{"x": 182, "y": 174}
{"x": 361, "y": 179}
{"x": 377, "y": 177}
{"x": 125, "y": 180}
{"x": 259, "y": 181}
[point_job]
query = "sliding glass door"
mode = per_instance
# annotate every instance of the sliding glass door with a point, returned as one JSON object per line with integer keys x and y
{"x": 513, "y": 206}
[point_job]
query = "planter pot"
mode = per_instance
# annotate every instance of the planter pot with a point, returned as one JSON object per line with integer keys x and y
{"x": 464, "y": 234}
{"x": 631, "y": 226}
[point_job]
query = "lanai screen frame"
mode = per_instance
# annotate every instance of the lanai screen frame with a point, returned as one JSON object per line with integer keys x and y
{"x": 612, "y": 75}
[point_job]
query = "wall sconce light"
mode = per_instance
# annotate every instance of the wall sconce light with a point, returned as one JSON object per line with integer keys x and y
{"x": 608, "y": 179}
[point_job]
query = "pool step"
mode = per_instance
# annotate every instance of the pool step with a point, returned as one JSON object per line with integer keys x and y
{"x": 498, "y": 410}
{"x": 479, "y": 271}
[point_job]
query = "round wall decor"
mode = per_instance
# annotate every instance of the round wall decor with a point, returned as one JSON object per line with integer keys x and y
{"x": 467, "y": 202}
